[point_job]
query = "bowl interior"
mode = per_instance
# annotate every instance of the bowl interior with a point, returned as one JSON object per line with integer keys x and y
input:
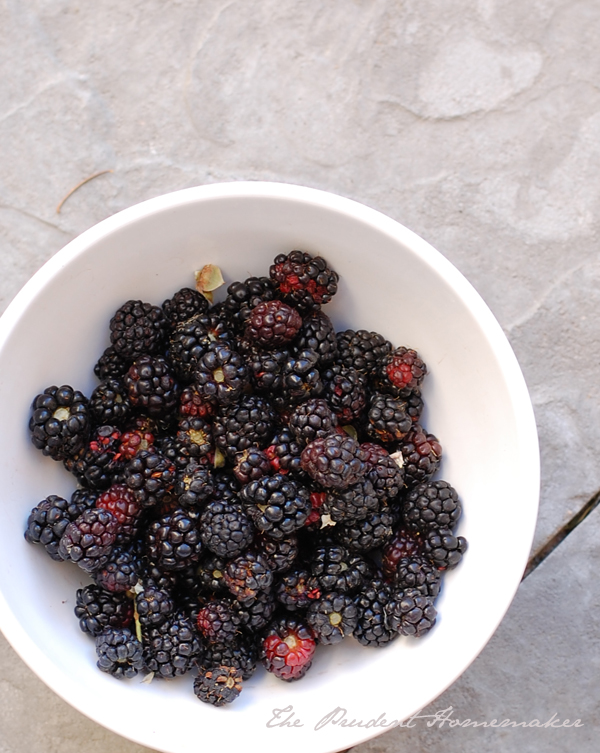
{"x": 391, "y": 282}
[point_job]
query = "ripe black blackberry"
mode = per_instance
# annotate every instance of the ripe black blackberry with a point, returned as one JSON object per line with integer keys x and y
{"x": 417, "y": 572}
{"x": 284, "y": 452}
{"x": 351, "y": 504}
{"x": 96, "y": 609}
{"x": 99, "y": 462}
{"x": 183, "y": 305}
{"x": 312, "y": 420}
{"x": 150, "y": 476}
{"x": 254, "y": 616}
{"x": 151, "y": 386}
{"x": 388, "y": 419}
{"x": 280, "y": 554}
{"x": 386, "y": 472}
{"x": 334, "y": 568}
{"x": 109, "y": 403}
{"x": 242, "y": 297}
{"x": 187, "y": 344}
{"x": 277, "y": 505}
{"x": 194, "y": 485}
{"x": 372, "y": 627}
{"x": 362, "y": 350}
{"x": 287, "y": 648}
{"x": 242, "y": 653}
{"x": 304, "y": 281}
{"x": 48, "y": 520}
{"x": 296, "y": 590}
{"x": 400, "y": 372}
{"x": 414, "y": 405}
{"x": 89, "y": 539}
{"x": 226, "y": 488}
{"x": 421, "y": 453}
{"x": 250, "y": 422}
{"x": 246, "y": 575}
{"x": 137, "y": 328}
{"x": 346, "y": 393}
{"x": 221, "y": 375}
{"x": 443, "y": 548}
{"x": 84, "y": 497}
{"x": 301, "y": 378}
{"x": 371, "y": 532}
{"x": 252, "y": 464}
{"x": 121, "y": 573}
{"x": 272, "y": 324}
{"x": 332, "y": 617}
{"x": 119, "y": 653}
{"x": 194, "y": 439}
{"x": 154, "y": 606}
{"x": 431, "y": 506}
{"x": 266, "y": 369}
{"x": 111, "y": 365}
{"x": 410, "y": 613}
{"x": 225, "y": 529}
{"x": 218, "y": 685}
{"x": 215, "y": 621}
{"x": 317, "y": 333}
{"x": 335, "y": 462}
{"x": 60, "y": 422}
{"x": 171, "y": 649}
{"x": 173, "y": 542}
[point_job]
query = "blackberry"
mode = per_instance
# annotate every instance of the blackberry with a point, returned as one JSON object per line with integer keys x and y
{"x": 334, "y": 568}
{"x": 134, "y": 440}
{"x": 100, "y": 462}
{"x": 371, "y": 532}
{"x": 317, "y": 334}
{"x": 242, "y": 653}
{"x": 194, "y": 485}
{"x": 194, "y": 438}
{"x": 301, "y": 377}
{"x": 151, "y": 386}
{"x": 246, "y": 575}
{"x": 221, "y": 375}
{"x": 284, "y": 452}
{"x": 193, "y": 405}
{"x": 154, "y": 606}
{"x": 335, "y": 461}
{"x": 182, "y": 306}
{"x": 84, "y": 497}
{"x": 332, "y": 617}
{"x": 225, "y": 529}
{"x": 422, "y": 454}
{"x": 272, "y": 324}
{"x": 312, "y": 420}
{"x": 173, "y": 542}
{"x": 362, "y": 350}
{"x": 372, "y": 627}
{"x": 226, "y": 487}
{"x": 119, "y": 653}
{"x": 215, "y": 621}
{"x": 171, "y": 649}
{"x": 109, "y": 403}
{"x": 248, "y": 423}
{"x": 304, "y": 281}
{"x": 410, "y": 613}
{"x": 122, "y": 503}
{"x": 254, "y": 616}
{"x": 121, "y": 573}
{"x": 96, "y": 610}
{"x": 431, "y": 506}
{"x": 266, "y": 369}
{"x": 111, "y": 365}
{"x": 252, "y": 464}
{"x": 242, "y": 297}
{"x": 388, "y": 419}
{"x": 218, "y": 685}
{"x": 351, "y": 504}
{"x": 187, "y": 344}
{"x": 386, "y": 473}
{"x": 89, "y": 539}
{"x": 444, "y": 549}
{"x": 150, "y": 476}
{"x": 296, "y": 590}
{"x": 346, "y": 393}
{"x": 279, "y": 554}
{"x": 48, "y": 520}
{"x": 414, "y": 405}
{"x": 277, "y": 505}
{"x": 209, "y": 573}
{"x": 288, "y": 647}
{"x": 60, "y": 422}
{"x": 137, "y": 328}
{"x": 402, "y": 544}
{"x": 417, "y": 572}
{"x": 400, "y": 372}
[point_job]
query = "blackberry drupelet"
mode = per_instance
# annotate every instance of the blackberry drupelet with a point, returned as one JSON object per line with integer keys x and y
{"x": 137, "y": 328}
{"x": 312, "y": 420}
{"x": 362, "y": 350}
{"x": 317, "y": 334}
{"x": 225, "y": 529}
{"x": 60, "y": 422}
{"x": 171, "y": 649}
{"x": 410, "y": 613}
{"x": 119, "y": 653}
{"x": 388, "y": 419}
{"x": 48, "y": 520}
{"x": 346, "y": 393}
{"x": 332, "y": 617}
{"x": 100, "y": 462}
{"x": 221, "y": 375}
{"x": 444, "y": 549}
{"x": 111, "y": 365}
{"x": 335, "y": 461}
{"x": 96, "y": 609}
{"x": 288, "y": 647}
{"x": 351, "y": 504}
{"x": 109, "y": 403}
{"x": 372, "y": 532}
{"x": 372, "y": 627}
{"x": 194, "y": 485}
{"x": 246, "y": 575}
{"x": 154, "y": 606}
{"x": 218, "y": 685}
{"x": 173, "y": 542}
{"x": 121, "y": 573}
{"x": 431, "y": 506}
{"x": 150, "y": 476}
{"x": 183, "y": 305}
{"x": 417, "y": 572}
{"x": 151, "y": 386}
{"x": 277, "y": 505}
{"x": 272, "y": 324}
{"x": 89, "y": 539}
{"x": 248, "y": 423}
{"x": 242, "y": 297}
{"x": 334, "y": 568}
{"x": 252, "y": 464}
{"x": 421, "y": 453}
{"x": 304, "y": 281}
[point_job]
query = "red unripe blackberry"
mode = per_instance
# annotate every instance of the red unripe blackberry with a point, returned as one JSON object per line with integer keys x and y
{"x": 272, "y": 324}
{"x": 288, "y": 648}
{"x": 401, "y": 371}
{"x": 215, "y": 621}
{"x": 192, "y": 404}
{"x": 137, "y": 328}
{"x": 403, "y": 544}
{"x": 134, "y": 441}
{"x": 122, "y": 503}
{"x": 303, "y": 281}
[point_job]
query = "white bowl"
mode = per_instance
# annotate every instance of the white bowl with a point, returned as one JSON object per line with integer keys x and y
{"x": 391, "y": 281}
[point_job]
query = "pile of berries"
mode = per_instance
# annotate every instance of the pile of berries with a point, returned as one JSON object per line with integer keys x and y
{"x": 251, "y": 484}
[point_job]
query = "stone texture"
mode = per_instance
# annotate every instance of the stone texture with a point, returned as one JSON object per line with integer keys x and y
{"x": 476, "y": 124}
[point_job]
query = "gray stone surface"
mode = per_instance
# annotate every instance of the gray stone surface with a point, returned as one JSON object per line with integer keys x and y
{"x": 475, "y": 123}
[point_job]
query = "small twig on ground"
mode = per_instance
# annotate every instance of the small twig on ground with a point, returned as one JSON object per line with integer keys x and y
{"x": 81, "y": 183}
